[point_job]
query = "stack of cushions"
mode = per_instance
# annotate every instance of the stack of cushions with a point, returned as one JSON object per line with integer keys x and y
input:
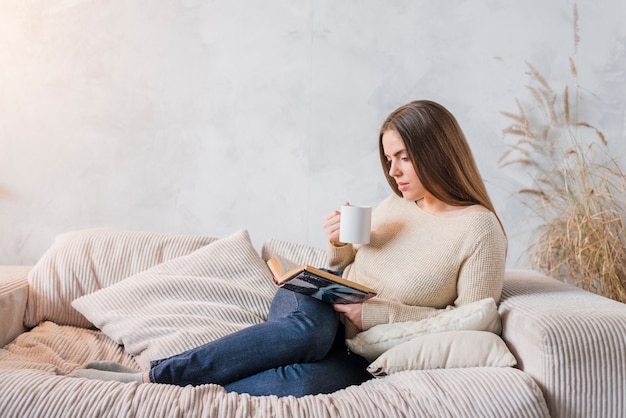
{"x": 478, "y": 316}
{"x": 461, "y": 337}
{"x": 159, "y": 295}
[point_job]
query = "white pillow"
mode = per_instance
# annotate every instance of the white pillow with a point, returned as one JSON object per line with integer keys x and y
{"x": 444, "y": 350}
{"x": 478, "y": 316}
{"x": 84, "y": 261}
{"x": 186, "y": 302}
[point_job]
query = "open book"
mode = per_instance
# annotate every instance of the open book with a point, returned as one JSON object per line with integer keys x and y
{"x": 317, "y": 283}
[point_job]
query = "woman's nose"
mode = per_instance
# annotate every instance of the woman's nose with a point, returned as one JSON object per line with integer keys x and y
{"x": 393, "y": 170}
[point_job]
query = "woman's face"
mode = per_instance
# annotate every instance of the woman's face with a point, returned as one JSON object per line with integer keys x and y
{"x": 401, "y": 168}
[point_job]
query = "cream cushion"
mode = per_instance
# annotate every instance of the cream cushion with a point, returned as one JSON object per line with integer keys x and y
{"x": 186, "y": 302}
{"x": 444, "y": 350}
{"x": 478, "y": 316}
{"x": 81, "y": 262}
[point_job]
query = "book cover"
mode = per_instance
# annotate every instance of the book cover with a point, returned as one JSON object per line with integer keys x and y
{"x": 317, "y": 283}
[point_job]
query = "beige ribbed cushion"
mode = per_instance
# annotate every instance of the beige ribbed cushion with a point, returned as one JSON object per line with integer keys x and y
{"x": 185, "y": 302}
{"x": 84, "y": 261}
{"x": 573, "y": 343}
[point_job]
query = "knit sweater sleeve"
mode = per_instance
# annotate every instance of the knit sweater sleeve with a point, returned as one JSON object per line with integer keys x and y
{"x": 340, "y": 257}
{"x": 482, "y": 274}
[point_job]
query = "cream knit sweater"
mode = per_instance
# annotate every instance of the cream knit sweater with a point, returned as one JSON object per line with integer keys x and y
{"x": 421, "y": 264}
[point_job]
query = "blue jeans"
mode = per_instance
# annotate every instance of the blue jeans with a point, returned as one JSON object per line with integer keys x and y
{"x": 299, "y": 351}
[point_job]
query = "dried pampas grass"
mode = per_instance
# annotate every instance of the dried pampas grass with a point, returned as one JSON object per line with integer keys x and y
{"x": 578, "y": 191}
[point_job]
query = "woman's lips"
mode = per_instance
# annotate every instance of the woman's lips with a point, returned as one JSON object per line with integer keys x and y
{"x": 403, "y": 186}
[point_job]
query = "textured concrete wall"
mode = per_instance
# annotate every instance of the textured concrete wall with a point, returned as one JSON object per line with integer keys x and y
{"x": 206, "y": 117}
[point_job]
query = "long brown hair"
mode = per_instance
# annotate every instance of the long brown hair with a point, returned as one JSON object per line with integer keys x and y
{"x": 439, "y": 152}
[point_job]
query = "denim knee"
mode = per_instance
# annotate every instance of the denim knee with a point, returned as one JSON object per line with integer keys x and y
{"x": 313, "y": 323}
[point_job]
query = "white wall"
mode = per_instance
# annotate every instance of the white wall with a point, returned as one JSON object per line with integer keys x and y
{"x": 205, "y": 117}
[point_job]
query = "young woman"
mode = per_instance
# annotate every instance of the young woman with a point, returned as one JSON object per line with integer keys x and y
{"x": 436, "y": 244}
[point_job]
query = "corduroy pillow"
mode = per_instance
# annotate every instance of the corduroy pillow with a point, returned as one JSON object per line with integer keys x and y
{"x": 82, "y": 262}
{"x": 185, "y": 302}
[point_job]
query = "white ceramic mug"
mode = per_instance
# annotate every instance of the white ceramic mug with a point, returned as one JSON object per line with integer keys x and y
{"x": 355, "y": 225}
